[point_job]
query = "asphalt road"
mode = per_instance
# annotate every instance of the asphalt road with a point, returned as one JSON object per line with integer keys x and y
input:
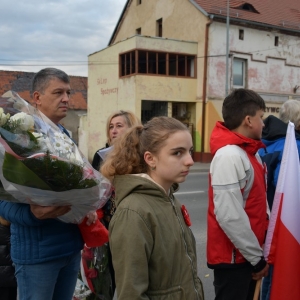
{"x": 193, "y": 193}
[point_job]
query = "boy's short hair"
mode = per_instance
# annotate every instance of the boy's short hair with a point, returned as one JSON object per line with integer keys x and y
{"x": 239, "y": 104}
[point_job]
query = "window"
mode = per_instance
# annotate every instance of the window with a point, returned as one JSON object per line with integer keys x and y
{"x": 181, "y": 65}
{"x": 152, "y": 62}
{"x": 128, "y": 63}
{"x": 152, "y": 109}
{"x": 247, "y": 7}
{"x": 172, "y": 64}
{"x": 241, "y": 34}
{"x": 239, "y": 66}
{"x": 138, "y": 31}
{"x": 276, "y": 41}
{"x": 162, "y": 63}
{"x": 158, "y": 63}
{"x": 138, "y": 2}
{"x": 142, "y": 62}
{"x": 159, "y": 28}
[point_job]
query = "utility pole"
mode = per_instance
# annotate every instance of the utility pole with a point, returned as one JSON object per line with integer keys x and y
{"x": 227, "y": 50}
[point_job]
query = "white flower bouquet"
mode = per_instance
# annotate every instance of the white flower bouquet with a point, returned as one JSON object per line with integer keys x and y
{"x": 39, "y": 164}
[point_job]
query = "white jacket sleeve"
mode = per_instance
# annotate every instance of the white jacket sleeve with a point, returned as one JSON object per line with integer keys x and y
{"x": 232, "y": 173}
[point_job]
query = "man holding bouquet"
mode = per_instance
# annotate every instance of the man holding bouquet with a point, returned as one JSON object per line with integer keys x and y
{"x": 45, "y": 250}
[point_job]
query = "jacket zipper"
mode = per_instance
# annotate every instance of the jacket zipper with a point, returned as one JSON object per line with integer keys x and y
{"x": 176, "y": 213}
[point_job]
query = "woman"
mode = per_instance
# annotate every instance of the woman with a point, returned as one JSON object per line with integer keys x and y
{"x": 117, "y": 123}
{"x": 153, "y": 249}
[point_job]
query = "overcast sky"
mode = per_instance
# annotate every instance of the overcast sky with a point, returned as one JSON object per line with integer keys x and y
{"x": 61, "y": 33}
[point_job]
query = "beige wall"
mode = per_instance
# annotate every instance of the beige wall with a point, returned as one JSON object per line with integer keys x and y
{"x": 107, "y": 92}
{"x": 83, "y": 135}
{"x": 181, "y": 21}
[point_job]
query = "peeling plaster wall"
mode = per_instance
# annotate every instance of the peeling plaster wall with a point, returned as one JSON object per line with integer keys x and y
{"x": 272, "y": 71}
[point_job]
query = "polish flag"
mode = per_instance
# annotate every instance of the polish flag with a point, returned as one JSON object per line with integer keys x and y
{"x": 282, "y": 247}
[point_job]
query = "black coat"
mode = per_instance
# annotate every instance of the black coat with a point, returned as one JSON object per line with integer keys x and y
{"x": 7, "y": 271}
{"x": 97, "y": 160}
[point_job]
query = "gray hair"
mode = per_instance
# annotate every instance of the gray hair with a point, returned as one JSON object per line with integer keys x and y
{"x": 43, "y": 77}
{"x": 290, "y": 111}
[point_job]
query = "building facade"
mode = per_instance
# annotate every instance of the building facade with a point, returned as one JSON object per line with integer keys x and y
{"x": 168, "y": 57}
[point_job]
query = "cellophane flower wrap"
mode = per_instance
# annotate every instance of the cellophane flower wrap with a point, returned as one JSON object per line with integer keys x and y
{"x": 39, "y": 164}
{"x": 95, "y": 273}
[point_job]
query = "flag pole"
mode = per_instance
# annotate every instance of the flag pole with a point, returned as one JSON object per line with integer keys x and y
{"x": 257, "y": 289}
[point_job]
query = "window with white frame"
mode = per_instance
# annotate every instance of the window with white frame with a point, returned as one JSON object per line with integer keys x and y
{"x": 239, "y": 72}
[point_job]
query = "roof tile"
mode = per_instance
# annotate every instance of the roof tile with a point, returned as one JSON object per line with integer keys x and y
{"x": 285, "y": 14}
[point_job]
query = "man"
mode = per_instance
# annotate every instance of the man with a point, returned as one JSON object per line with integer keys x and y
{"x": 44, "y": 250}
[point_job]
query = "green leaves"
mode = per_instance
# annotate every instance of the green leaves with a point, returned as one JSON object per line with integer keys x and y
{"x": 45, "y": 173}
{"x": 15, "y": 171}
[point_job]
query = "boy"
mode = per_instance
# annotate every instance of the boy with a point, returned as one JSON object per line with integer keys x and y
{"x": 237, "y": 211}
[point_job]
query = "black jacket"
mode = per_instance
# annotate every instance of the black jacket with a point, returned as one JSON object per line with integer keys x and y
{"x": 97, "y": 160}
{"x": 7, "y": 271}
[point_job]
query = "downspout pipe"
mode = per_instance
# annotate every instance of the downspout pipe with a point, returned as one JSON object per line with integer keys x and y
{"x": 205, "y": 84}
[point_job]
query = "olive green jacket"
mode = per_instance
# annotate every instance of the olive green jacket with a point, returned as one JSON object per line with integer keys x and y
{"x": 153, "y": 250}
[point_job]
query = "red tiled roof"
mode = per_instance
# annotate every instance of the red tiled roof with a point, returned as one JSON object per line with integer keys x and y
{"x": 20, "y": 82}
{"x": 278, "y": 13}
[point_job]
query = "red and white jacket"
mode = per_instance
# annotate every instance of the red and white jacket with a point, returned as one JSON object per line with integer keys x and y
{"x": 237, "y": 212}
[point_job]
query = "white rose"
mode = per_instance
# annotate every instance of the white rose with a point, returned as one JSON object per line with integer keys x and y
{"x": 26, "y": 121}
{"x": 3, "y": 117}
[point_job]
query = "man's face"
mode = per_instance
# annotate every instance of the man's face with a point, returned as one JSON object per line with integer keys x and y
{"x": 54, "y": 101}
{"x": 256, "y": 125}
{"x": 174, "y": 160}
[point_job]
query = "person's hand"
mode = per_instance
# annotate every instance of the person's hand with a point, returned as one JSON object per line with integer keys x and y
{"x": 91, "y": 218}
{"x": 261, "y": 274}
{"x": 48, "y": 212}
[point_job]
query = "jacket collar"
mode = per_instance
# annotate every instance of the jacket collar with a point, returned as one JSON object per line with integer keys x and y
{"x": 221, "y": 136}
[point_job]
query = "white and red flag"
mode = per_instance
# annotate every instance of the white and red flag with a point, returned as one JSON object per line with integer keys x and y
{"x": 282, "y": 247}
